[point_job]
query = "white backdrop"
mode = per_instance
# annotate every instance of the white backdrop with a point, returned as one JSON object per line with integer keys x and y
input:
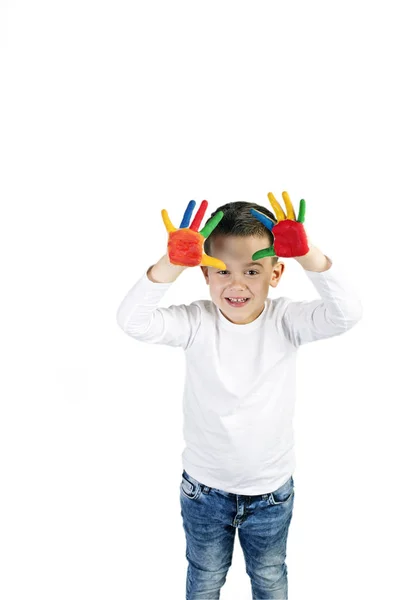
{"x": 111, "y": 111}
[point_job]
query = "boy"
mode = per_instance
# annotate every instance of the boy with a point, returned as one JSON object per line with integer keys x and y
{"x": 239, "y": 392}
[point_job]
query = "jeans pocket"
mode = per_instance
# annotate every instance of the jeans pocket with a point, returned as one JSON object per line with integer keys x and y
{"x": 190, "y": 487}
{"x": 284, "y": 493}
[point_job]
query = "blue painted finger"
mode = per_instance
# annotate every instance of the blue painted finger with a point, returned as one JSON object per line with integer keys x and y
{"x": 188, "y": 214}
{"x": 269, "y": 224}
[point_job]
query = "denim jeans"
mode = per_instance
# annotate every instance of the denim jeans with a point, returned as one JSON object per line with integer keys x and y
{"x": 210, "y": 519}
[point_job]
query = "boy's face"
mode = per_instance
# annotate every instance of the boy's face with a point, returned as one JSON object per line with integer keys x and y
{"x": 243, "y": 277}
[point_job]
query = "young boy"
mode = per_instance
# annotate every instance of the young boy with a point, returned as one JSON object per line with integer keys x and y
{"x": 239, "y": 393}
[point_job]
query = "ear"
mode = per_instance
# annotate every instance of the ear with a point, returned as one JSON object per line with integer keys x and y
{"x": 205, "y": 273}
{"x": 276, "y": 274}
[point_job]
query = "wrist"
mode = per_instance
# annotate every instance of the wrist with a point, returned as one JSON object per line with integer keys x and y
{"x": 314, "y": 260}
{"x": 164, "y": 271}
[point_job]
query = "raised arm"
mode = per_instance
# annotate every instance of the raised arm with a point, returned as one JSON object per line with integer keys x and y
{"x": 338, "y": 308}
{"x": 139, "y": 314}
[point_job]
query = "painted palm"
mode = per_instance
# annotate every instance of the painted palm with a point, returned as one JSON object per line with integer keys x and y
{"x": 290, "y": 239}
{"x": 185, "y": 245}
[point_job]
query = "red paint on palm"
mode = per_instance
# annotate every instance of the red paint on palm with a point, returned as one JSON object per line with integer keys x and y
{"x": 185, "y": 247}
{"x": 290, "y": 239}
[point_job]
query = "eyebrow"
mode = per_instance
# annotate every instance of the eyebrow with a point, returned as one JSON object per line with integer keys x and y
{"x": 253, "y": 263}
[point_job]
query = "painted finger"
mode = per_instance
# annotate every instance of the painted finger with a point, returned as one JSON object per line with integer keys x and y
{"x": 199, "y": 216}
{"x": 188, "y": 214}
{"x": 168, "y": 225}
{"x": 211, "y": 225}
{"x": 302, "y": 211}
{"x": 263, "y": 218}
{"x": 280, "y": 215}
{"x": 289, "y": 206}
{"x": 263, "y": 253}
{"x": 210, "y": 261}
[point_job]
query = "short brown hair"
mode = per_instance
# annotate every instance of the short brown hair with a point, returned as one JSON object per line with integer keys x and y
{"x": 238, "y": 221}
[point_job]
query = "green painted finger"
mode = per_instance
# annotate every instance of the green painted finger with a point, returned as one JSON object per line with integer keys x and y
{"x": 263, "y": 253}
{"x": 211, "y": 225}
{"x": 302, "y": 211}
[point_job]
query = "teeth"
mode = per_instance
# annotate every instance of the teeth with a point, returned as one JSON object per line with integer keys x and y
{"x": 237, "y": 299}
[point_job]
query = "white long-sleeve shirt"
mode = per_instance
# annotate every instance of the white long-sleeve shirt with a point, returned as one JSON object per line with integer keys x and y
{"x": 240, "y": 383}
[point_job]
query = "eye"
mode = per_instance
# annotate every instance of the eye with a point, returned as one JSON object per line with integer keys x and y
{"x": 222, "y": 272}
{"x": 253, "y": 271}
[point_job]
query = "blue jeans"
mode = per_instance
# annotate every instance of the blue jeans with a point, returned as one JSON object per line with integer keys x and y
{"x": 210, "y": 518}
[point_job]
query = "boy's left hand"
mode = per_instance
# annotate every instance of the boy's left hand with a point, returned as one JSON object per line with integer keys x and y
{"x": 290, "y": 239}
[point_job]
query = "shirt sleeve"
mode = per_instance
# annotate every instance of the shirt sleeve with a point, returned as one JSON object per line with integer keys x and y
{"x": 140, "y": 317}
{"x": 337, "y": 310}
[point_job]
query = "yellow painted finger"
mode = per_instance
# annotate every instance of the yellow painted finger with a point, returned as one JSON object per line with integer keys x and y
{"x": 280, "y": 215}
{"x": 168, "y": 225}
{"x": 289, "y": 206}
{"x": 210, "y": 261}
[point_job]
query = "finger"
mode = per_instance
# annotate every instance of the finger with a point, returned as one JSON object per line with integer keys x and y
{"x": 168, "y": 225}
{"x": 269, "y": 223}
{"x": 210, "y": 261}
{"x": 199, "y": 216}
{"x": 211, "y": 225}
{"x": 302, "y": 211}
{"x": 263, "y": 253}
{"x": 280, "y": 215}
{"x": 188, "y": 214}
{"x": 289, "y": 206}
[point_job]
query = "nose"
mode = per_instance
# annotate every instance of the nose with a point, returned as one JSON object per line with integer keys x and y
{"x": 237, "y": 281}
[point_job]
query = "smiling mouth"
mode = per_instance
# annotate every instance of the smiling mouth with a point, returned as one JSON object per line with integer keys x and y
{"x": 236, "y": 302}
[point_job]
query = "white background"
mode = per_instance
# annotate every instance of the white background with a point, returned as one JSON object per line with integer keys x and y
{"x": 111, "y": 111}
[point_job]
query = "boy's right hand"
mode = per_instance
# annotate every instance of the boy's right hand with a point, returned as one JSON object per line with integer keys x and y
{"x": 185, "y": 245}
